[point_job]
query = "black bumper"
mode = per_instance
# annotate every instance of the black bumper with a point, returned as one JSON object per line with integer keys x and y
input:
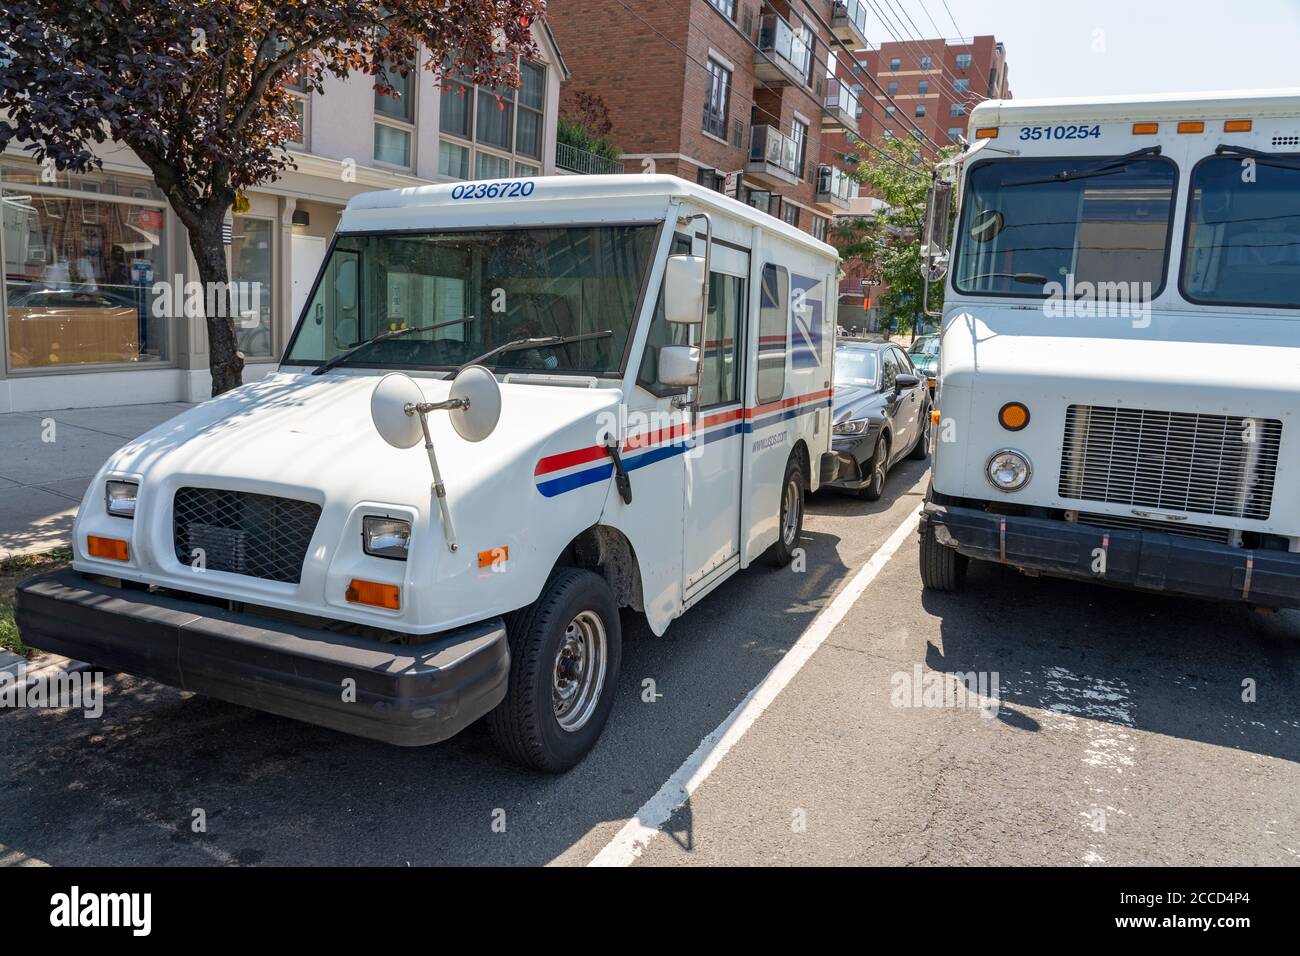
{"x": 1149, "y": 560}
{"x": 403, "y": 694}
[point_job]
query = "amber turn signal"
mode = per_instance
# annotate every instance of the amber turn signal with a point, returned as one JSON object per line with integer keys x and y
{"x": 1238, "y": 126}
{"x": 1145, "y": 129}
{"x": 1191, "y": 126}
{"x": 1013, "y": 416}
{"x": 986, "y": 132}
{"x": 375, "y": 594}
{"x": 934, "y": 416}
{"x": 114, "y": 549}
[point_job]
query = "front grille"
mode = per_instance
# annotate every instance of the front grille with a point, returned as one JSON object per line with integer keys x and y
{"x": 258, "y": 535}
{"x": 1181, "y": 529}
{"x": 1178, "y": 461}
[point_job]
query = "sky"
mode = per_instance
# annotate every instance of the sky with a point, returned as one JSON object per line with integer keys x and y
{"x": 1099, "y": 47}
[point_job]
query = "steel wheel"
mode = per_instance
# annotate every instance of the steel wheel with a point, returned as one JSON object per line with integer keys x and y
{"x": 579, "y": 672}
{"x": 791, "y": 507}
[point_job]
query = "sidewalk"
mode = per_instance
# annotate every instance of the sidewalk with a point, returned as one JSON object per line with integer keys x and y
{"x": 48, "y": 458}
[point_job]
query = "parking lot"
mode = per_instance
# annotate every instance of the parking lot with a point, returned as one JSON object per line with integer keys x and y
{"x": 1117, "y": 734}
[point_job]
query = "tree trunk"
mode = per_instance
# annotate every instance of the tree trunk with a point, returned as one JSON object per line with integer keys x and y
{"x": 224, "y": 358}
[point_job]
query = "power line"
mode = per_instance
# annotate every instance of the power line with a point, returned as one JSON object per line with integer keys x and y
{"x": 960, "y": 35}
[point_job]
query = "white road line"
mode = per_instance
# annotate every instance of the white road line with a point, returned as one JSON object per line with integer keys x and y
{"x": 637, "y": 833}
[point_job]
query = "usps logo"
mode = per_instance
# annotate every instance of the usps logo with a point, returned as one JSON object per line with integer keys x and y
{"x": 805, "y": 323}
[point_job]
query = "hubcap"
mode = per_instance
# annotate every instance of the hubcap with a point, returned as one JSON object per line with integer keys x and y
{"x": 790, "y": 508}
{"x": 579, "y": 673}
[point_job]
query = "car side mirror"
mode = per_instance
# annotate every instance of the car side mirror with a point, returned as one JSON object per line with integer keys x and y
{"x": 684, "y": 290}
{"x": 678, "y": 365}
{"x": 905, "y": 380}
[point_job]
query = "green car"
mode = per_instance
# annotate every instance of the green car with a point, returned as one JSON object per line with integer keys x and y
{"x": 924, "y": 353}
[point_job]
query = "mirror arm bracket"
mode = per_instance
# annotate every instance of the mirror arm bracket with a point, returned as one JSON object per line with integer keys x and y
{"x": 439, "y": 489}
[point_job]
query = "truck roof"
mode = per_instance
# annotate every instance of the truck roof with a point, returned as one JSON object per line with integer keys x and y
{"x": 628, "y": 189}
{"x": 1100, "y": 109}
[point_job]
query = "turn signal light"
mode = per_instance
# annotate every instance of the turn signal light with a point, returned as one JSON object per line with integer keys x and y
{"x": 934, "y": 416}
{"x": 375, "y": 594}
{"x": 1237, "y": 126}
{"x": 986, "y": 132}
{"x": 1145, "y": 129}
{"x": 1013, "y": 416}
{"x": 114, "y": 549}
{"x": 1191, "y": 126}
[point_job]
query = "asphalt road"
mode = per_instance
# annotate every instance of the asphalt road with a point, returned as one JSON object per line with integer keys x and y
{"x": 1117, "y": 734}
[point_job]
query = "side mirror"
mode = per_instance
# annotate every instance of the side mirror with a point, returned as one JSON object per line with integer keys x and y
{"x": 678, "y": 365}
{"x": 905, "y": 380}
{"x": 684, "y": 290}
{"x": 934, "y": 240}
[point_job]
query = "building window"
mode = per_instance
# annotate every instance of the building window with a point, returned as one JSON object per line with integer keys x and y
{"x": 892, "y": 87}
{"x": 819, "y": 228}
{"x": 760, "y": 199}
{"x": 963, "y": 61}
{"x": 920, "y": 109}
{"x": 889, "y": 134}
{"x": 395, "y": 120}
{"x": 961, "y": 85}
{"x": 250, "y": 267}
{"x": 957, "y": 109}
{"x": 711, "y": 179}
{"x": 726, "y": 7}
{"x": 527, "y": 169}
{"x": 799, "y": 133}
{"x": 895, "y": 64}
{"x": 790, "y": 214}
{"x": 504, "y": 120}
{"x": 953, "y": 133}
{"x": 891, "y": 110}
{"x": 716, "y": 99}
{"x": 923, "y": 87}
{"x": 81, "y": 255}
{"x": 925, "y": 63}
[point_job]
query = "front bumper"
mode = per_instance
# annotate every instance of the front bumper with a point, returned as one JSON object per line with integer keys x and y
{"x": 853, "y": 458}
{"x": 407, "y": 695}
{"x": 1149, "y": 560}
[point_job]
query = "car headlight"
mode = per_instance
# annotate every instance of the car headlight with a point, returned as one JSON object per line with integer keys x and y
{"x": 386, "y": 537}
{"x": 850, "y": 428}
{"x": 120, "y": 497}
{"x": 1008, "y": 470}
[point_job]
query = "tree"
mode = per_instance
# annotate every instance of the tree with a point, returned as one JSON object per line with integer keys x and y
{"x": 889, "y": 241}
{"x": 197, "y": 90}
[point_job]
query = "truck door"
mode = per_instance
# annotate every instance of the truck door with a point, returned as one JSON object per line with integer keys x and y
{"x": 711, "y": 529}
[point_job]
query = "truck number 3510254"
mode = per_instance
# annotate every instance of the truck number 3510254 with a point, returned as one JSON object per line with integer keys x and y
{"x": 1060, "y": 132}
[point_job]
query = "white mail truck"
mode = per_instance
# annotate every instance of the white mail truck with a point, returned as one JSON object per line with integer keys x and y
{"x": 509, "y": 409}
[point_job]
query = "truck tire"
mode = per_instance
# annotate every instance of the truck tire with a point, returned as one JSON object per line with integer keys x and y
{"x": 789, "y": 516}
{"x": 565, "y": 650}
{"x": 942, "y": 568}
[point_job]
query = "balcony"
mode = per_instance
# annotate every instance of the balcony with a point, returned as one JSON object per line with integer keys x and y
{"x": 842, "y": 106}
{"x": 849, "y": 22}
{"x": 773, "y": 157}
{"x": 835, "y": 187}
{"x": 783, "y": 58}
{"x": 570, "y": 159}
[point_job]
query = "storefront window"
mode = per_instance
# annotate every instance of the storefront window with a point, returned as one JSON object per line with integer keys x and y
{"x": 250, "y": 266}
{"x": 79, "y": 268}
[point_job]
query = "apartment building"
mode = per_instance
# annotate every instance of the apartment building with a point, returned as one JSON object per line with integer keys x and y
{"x": 82, "y": 253}
{"x": 935, "y": 83}
{"x": 743, "y": 96}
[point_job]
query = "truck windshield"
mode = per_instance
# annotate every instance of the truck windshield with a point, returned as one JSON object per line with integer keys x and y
{"x": 1030, "y": 222}
{"x": 507, "y": 284}
{"x": 1243, "y": 233}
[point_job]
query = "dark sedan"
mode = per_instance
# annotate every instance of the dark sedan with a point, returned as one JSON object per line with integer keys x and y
{"x": 881, "y": 415}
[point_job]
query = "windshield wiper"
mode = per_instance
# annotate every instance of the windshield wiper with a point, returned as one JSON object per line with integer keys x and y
{"x": 515, "y": 345}
{"x": 1105, "y": 169}
{"x": 1267, "y": 159}
{"x": 1030, "y": 278}
{"x": 342, "y": 357}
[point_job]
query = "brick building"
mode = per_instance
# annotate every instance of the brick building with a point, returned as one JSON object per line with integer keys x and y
{"x": 936, "y": 82}
{"x": 703, "y": 89}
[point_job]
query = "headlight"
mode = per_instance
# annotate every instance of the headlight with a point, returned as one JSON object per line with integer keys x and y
{"x": 119, "y": 498}
{"x": 850, "y": 428}
{"x": 1008, "y": 470}
{"x": 386, "y": 537}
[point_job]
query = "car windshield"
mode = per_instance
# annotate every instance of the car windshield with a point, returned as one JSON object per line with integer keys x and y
{"x": 1030, "y": 222}
{"x": 926, "y": 345}
{"x": 1243, "y": 233}
{"x": 855, "y": 367}
{"x": 507, "y": 283}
